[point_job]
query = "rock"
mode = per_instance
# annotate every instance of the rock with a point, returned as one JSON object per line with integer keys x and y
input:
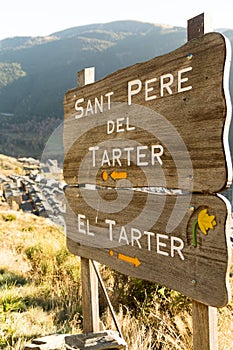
{"x": 50, "y": 342}
{"x": 91, "y": 341}
{"x": 95, "y": 341}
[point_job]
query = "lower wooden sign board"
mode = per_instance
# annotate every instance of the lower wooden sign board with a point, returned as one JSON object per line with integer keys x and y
{"x": 192, "y": 258}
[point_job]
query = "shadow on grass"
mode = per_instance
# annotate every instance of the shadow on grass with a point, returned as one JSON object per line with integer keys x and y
{"x": 8, "y": 278}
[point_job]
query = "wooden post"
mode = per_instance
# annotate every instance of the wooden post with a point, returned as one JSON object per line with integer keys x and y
{"x": 205, "y": 318}
{"x": 90, "y": 300}
{"x": 89, "y": 280}
{"x": 205, "y": 330}
{"x": 198, "y": 26}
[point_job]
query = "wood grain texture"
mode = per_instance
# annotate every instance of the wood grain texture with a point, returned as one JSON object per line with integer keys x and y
{"x": 200, "y": 273}
{"x": 199, "y": 25}
{"x": 90, "y": 297}
{"x": 197, "y": 116}
{"x": 205, "y": 327}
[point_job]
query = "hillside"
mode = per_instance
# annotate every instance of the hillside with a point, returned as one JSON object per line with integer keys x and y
{"x": 35, "y": 73}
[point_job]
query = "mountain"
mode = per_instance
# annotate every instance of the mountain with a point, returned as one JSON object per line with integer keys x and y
{"x": 35, "y": 73}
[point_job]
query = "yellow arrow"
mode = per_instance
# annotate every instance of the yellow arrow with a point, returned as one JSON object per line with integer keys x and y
{"x": 135, "y": 261}
{"x": 117, "y": 175}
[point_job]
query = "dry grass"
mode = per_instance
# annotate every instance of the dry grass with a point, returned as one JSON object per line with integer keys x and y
{"x": 39, "y": 280}
{"x": 40, "y": 294}
{"x": 157, "y": 331}
{"x": 225, "y": 328}
{"x": 9, "y": 165}
{"x": 160, "y": 330}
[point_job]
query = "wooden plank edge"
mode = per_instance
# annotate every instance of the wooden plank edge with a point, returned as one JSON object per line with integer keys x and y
{"x": 226, "y": 90}
{"x": 228, "y": 244}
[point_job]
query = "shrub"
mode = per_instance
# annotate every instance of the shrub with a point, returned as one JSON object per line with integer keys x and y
{"x": 8, "y": 217}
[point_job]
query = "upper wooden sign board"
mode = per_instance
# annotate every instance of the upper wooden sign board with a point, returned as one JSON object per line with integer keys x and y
{"x": 163, "y": 122}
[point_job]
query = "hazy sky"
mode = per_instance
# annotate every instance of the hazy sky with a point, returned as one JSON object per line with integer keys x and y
{"x": 43, "y": 17}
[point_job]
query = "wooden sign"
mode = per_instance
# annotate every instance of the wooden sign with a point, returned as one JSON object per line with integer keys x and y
{"x": 162, "y": 123}
{"x": 192, "y": 258}
{"x": 146, "y": 150}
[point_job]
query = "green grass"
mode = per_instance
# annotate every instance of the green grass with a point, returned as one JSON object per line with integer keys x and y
{"x": 8, "y": 217}
{"x": 9, "y": 278}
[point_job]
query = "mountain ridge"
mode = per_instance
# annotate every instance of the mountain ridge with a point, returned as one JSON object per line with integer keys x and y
{"x": 36, "y": 72}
